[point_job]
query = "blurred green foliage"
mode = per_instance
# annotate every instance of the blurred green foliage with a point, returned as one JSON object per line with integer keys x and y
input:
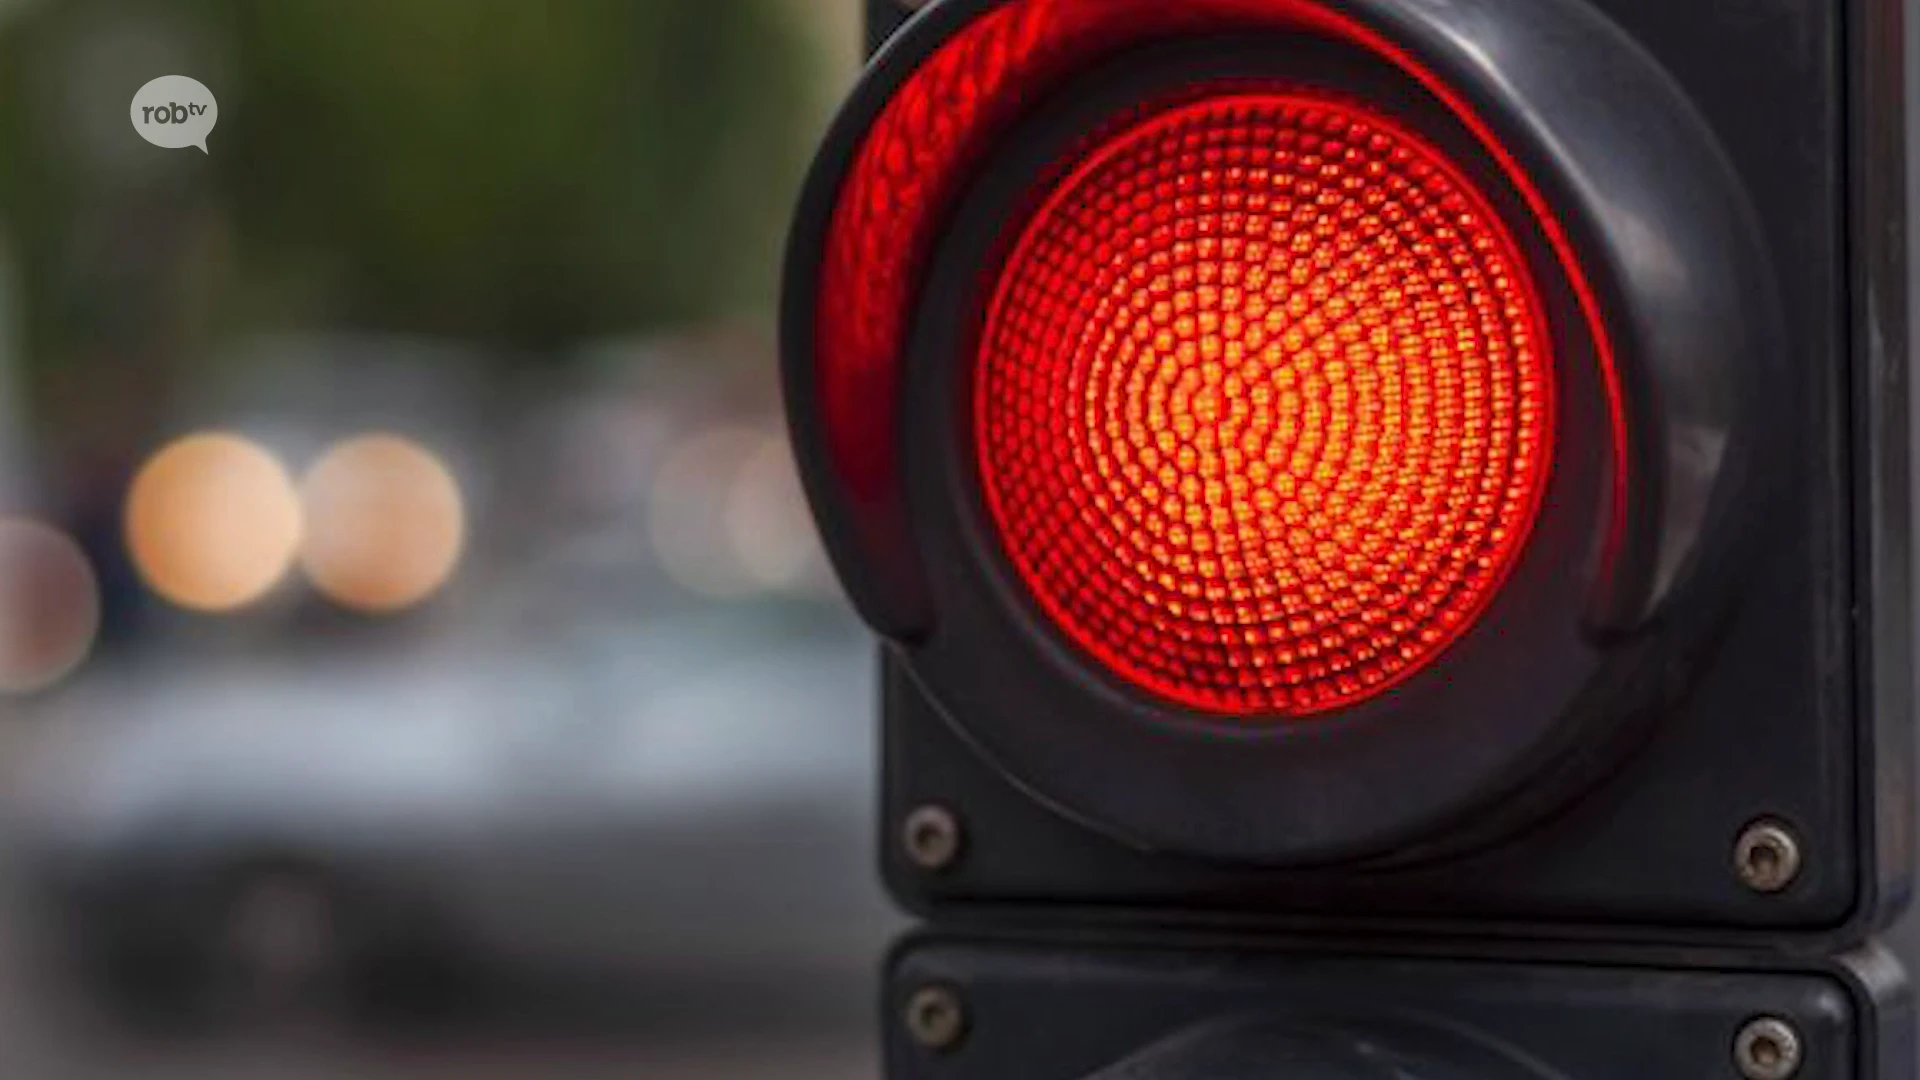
{"x": 513, "y": 173}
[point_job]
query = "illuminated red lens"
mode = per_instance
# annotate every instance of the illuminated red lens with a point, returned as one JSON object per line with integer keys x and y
{"x": 1264, "y": 403}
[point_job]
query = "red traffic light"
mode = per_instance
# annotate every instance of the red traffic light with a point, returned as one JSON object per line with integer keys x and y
{"x": 1264, "y": 402}
{"x": 1198, "y": 370}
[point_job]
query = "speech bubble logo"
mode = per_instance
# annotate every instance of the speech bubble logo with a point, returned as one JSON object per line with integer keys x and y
{"x": 174, "y": 111}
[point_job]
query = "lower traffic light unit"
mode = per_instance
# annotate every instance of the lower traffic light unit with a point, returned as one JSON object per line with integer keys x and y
{"x": 989, "y": 1008}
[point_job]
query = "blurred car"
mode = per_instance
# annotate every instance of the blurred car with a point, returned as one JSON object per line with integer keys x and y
{"x": 685, "y": 801}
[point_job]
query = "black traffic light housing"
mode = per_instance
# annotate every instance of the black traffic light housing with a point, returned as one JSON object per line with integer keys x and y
{"x": 1751, "y": 663}
{"x": 1675, "y": 869}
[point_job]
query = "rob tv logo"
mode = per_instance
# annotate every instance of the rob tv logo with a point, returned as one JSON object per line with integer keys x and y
{"x": 174, "y": 111}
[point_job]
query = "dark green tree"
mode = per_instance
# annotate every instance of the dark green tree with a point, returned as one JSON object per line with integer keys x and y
{"x": 513, "y": 174}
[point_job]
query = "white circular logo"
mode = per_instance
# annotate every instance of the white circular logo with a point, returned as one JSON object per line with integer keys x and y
{"x": 174, "y": 111}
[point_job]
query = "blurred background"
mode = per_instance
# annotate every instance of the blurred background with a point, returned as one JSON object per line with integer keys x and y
{"x": 415, "y": 657}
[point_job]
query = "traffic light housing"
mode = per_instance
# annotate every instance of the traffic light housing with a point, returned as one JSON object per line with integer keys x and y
{"x": 1053, "y": 1011}
{"x": 1379, "y": 469}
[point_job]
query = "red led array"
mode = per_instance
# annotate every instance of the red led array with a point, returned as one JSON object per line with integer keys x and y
{"x": 1264, "y": 403}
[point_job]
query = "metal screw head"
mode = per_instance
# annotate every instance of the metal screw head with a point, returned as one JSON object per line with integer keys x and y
{"x": 1767, "y": 1048}
{"x": 1767, "y": 856}
{"x": 932, "y": 837}
{"x": 936, "y": 1018}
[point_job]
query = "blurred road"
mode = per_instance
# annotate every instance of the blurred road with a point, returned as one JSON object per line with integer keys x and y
{"x": 43, "y": 1037}
{"x": 640, "y": 1019}
{"x": 298, "y": 1059}
{"x": 293, "y": 1059}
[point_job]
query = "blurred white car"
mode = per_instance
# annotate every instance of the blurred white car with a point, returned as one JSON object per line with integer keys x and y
{"x": 686, "y": 801}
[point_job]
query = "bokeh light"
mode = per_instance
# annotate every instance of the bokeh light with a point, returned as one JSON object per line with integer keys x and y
{"x": 768, "y": 524}
{"x": 687, "y": 515}
{"x": 49, "y": 605}
{"x": 729, "y": 518}
{"x": 386, "y": 524}
{"x": 213, "y": 522}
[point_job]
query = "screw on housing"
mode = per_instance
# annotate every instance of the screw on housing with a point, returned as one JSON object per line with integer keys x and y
{"x": 936, "y": 1018}
{"x": 932, "y": 837}
{"x": 1767, "y": 1048}
{"x": 1767, "y": 856}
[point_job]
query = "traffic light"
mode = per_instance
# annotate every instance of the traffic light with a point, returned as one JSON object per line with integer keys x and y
{"x": 1389, "y": 525}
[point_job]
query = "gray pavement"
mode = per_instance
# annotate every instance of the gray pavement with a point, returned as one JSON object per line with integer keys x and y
{"x": 451, "y": 1058}
{"x": 44, "y": 1037}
